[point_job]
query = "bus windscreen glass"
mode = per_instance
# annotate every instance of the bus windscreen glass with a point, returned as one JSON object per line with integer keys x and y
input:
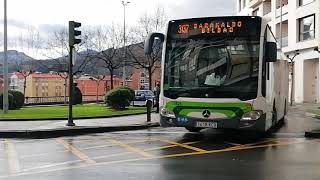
{"x": 212, "y": 58}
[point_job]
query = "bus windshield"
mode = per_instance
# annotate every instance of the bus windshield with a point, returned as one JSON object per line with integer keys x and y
{"x": 211, "y": 67}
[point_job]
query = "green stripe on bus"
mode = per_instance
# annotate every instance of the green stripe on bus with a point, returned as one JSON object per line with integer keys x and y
{"x": 183, "y": 108}
{"x": 228, "y": 113}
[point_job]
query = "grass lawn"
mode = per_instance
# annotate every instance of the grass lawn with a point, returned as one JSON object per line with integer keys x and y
{"x": 87, "y": 110}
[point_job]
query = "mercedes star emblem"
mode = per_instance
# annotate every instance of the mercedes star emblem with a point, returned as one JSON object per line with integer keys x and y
{"x": 206, "y": 113}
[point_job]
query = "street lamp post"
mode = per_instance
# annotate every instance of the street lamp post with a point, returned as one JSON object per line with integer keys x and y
{"x": 281, "y": 24}
{"x": 124, "y": 3}
{"x": 5, "y": 63}
{"x": 292, "y": 74}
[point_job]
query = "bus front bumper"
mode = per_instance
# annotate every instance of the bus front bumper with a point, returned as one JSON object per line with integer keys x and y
{"x": 236, "y": 123}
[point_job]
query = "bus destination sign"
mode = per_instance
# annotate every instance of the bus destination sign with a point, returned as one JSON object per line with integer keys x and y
{"x": 210, "y": 27}
{"x": 216, "y": 27}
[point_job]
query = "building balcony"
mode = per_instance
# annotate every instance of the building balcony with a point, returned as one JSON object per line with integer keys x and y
{"x": 266, "y": 7}
{"x": 268, "y": 17}
{"x": 254, "y": 3}
{"x": 284, "y": 11}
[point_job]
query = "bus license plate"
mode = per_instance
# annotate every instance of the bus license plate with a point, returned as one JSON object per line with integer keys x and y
{"x": 207, "y": 124}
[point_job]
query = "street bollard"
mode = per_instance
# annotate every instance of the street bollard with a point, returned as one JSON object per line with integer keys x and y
{"x": 149, "y": 106}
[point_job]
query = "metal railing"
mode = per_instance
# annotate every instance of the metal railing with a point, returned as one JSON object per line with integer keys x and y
{"x": 60, "y": 99}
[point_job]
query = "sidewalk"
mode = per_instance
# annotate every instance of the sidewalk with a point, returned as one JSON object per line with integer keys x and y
{"x": 57, "y": 128}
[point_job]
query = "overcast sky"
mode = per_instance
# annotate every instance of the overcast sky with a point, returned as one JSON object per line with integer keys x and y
{"x": 48, "y": 14}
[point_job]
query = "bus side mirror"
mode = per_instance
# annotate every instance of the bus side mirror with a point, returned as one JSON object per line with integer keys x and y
{"x": 148, "y": 45}
{"x": 271, "y": 52}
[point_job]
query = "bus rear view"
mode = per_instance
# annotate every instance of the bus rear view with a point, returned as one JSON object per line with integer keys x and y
{"x": 216, "y": 74}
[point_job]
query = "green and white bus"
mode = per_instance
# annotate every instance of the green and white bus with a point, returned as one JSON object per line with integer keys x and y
{"x": 221, "y": 72}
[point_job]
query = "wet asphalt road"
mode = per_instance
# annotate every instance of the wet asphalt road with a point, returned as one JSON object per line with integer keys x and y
{"x": 158, "y": 153}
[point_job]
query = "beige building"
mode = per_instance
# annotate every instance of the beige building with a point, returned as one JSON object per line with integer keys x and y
{"x": 46, "y": 85}
{"x": 300, "y": 29}
{"x": 40, "y": 84}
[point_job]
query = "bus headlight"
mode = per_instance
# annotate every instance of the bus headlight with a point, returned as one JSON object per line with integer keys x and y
{"x": 252, "y": 115}
{"x": 167, "y": 113}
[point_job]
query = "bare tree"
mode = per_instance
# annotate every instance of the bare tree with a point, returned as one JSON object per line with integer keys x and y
{"x": 147, "y": 23}
{"x": 107, "y": 40}
{"x": 58, "y": 53}
{"x": 26, "y": 44}
{"x": 33, "y": 43}
{"x": 98, "y": 79}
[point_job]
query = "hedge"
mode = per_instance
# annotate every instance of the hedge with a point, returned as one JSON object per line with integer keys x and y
{"x": 119, "y": 98}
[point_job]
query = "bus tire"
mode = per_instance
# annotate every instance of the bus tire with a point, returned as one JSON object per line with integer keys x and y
{"x": 193, "y": 129}
{"x": 284, "y": 111}
{"x": 274, "y": 115}
{"x": 285, "y": 108}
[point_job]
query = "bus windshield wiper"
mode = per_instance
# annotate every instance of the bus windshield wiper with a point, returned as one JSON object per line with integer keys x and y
{"x": 174, "y": 93}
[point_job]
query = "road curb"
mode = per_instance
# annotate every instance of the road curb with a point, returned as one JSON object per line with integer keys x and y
{"x": 71, "y": 131}
{"x": 75, "y": 118}
{"x": 310, "y": 134}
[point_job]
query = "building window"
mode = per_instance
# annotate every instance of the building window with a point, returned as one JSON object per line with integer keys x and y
{"x": 37, "y": 91}
{"x": 304, "y": 2}
{"x": 58, "y": 91}
{"x": 243, "y": 4}
{"x": 307, "y": 28}
{"x": 283, "y": 2}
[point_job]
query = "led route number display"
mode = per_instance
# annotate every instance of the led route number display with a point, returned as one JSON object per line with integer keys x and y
{"x": 210, "y": 27}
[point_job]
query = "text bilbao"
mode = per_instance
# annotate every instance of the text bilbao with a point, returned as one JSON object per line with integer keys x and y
{"x": 212, "y": 27}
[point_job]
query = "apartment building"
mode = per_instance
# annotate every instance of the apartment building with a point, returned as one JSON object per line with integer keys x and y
{"x": 140, "y": 78}
{"x": 46, "y": 85}
{"x": 90, "y": 86}
{"x": 298, "y": 32}
{"x": 16, "y": 81}
{"x": 40, "y": 84}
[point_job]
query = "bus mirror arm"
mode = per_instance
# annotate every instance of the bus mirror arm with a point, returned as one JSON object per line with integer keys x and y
{"x": 148, "y": 45}
{"x": 271, "y": 52}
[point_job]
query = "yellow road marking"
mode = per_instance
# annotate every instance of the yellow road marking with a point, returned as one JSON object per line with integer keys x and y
{"x": 146, "y": 150}
{"x": 75, "y": 151}
{"x": 245, "y": 147}
{"x": 182, "y": 145}
{"x": 157, "y": 157}
{"x": 231, "y": 143}
{"x": 12, "y": 157}
{"x": 131, "y": 142}
{"x": 130, "y": 148}
{"x": 252, "y": 144}
{"x": 170, "y": 146}
{"x": 87, "y": 148}
{"x": 101, "y": 157}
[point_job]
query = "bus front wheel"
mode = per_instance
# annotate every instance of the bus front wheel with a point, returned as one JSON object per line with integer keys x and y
{"x": 274, "y": 115}
{"x": 193, "y": 129}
